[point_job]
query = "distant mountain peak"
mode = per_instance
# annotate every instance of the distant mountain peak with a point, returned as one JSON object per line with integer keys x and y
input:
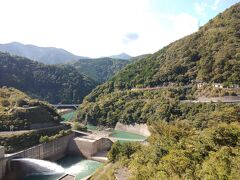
{"x": 124, "y": 56}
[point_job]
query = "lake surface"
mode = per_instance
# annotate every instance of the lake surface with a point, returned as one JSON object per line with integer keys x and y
{"x": 126, "y": 135}
{"x": 74, "y": 165}
{"x": 115, "y": 133}
{"x": 69, "y": 116}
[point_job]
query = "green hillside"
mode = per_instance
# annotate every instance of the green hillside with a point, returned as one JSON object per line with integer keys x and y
{"x": 211, "y": 55}
{"x": 23, "y": 120}
{"x": 100, "y": 69}
{"x": 188, "y": 140}
{"x": 47, "y": 82}
{"x": 20, "y": 111}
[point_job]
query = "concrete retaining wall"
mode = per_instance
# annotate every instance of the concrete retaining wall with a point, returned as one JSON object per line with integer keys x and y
{"x": 141, "y": 129}
{"x": 1, "y": 151}
{"x": 88, "y": 147}
{"x": 51, "y": 151}
{"x": 226, "y": 99}
{"x": 2, "y": 162}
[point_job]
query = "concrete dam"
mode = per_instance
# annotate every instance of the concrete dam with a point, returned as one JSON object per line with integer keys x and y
{"x": 91, "y": 145}
{"x": 29, "y": 161}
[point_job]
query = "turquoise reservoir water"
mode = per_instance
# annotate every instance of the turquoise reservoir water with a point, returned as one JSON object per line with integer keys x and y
{"x": 91, "y": 127}
{"x": 74, "y": 165}
{"x": 127, "y": 135}
{"x": 69, "y": 116}
{"x": 115, "y": 133}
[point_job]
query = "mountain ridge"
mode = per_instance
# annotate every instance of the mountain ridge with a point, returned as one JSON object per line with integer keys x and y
{"x": 99, "y": 69}
{"x": 47, "y": 55}
{"x": 54, "y": 83}
{"x": 211, "y": 55}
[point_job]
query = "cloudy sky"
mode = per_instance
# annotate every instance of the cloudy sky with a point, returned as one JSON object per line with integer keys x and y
{"x": 97, "y": 28}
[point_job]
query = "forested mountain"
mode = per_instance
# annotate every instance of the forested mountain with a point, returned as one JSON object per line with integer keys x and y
{"x": 100, "y": 69}
{"x": 47, "y": 82}
{"x": 196, "y": 141}
{"x": 188, "y": 140}
{"x": 47, "y": 55}
{"x": 136, "y": 58}
{"x": 121, "y": 56}
{"x": 211, "y": 55}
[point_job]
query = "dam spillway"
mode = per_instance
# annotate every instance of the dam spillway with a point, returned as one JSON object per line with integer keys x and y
{"x": 53, "y": 151}
{"x": 73, "y": 165}
{"x": 28, "y": 166}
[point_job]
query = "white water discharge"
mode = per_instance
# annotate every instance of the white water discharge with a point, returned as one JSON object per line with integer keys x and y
{"x": 76, "y": 168}
{"x": 42, "y": 166}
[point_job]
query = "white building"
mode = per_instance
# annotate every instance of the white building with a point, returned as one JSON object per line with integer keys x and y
{"x": 218, "y": 85}
{"x": 201, "y": 84}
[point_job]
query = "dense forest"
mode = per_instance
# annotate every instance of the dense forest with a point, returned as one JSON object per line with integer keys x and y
{"x": 55, "y": 84}
{"x": 132, "y": 106}
{"x": 202, "y": 143}
{"x": 100, "y": 69}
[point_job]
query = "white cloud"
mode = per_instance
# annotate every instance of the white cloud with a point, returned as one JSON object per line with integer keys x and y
{"x": 200, "y": 8}
{"x": 216, "y": 4}
{"x": 92, "y": 28}
{"x": 203, "y": 6}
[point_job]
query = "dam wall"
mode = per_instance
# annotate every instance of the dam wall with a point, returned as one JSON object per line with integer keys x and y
{"x": 141, "y": 129}
{"x": 1, "y": 151}
{"x": 2, "y": 162}
{"x": 88, "y": 147}
{"x": 53, "y": 150}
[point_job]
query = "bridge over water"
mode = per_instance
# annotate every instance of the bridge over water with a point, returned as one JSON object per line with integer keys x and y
{"x": 66, "y": 106}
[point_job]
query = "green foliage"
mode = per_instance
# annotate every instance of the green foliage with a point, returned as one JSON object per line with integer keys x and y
{"x": 20, "y": 111}
{"x": 45, "y": 139}
{"x": 148, "y": 106}
{"x": 100, "y": 69}
{"x": 17, "y": 142}
{"x": 5, "y": 103}
{"x": 223, "y": 164}
{"x": 78, "y": 126}
{"x": 122, "y": 150}
{"x": 177, "y": 150}
{"x": 47, "y": 82}
{"x": 210, "y": 91}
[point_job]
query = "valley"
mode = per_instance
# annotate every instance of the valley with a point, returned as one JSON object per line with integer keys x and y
{"x": 172, "y": 114}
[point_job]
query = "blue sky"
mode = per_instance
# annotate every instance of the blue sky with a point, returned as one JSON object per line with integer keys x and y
{"x": 97, "y": 28}
{"x": 201, "y": 9}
